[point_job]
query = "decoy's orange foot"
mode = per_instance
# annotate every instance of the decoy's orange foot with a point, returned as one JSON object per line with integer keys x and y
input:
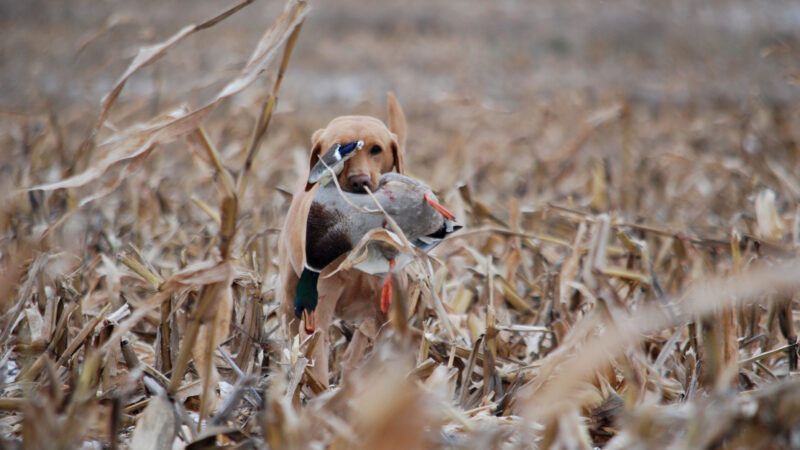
{"x": 386, "y": 291}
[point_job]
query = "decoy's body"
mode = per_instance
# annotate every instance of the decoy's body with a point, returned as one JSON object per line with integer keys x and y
{"x": 338, "y": 220}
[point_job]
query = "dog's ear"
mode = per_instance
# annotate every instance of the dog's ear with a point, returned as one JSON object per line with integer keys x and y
{"x": 397, "y": 153}
{"x": 316, "y": 148}
{"x": 397, "y": 123}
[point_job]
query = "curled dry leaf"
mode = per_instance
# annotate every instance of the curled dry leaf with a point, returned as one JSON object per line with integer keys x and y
{"x": 370, "y": 252}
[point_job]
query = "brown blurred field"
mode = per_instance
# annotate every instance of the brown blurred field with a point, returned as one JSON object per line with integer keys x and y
{"x": 628, "y": 174}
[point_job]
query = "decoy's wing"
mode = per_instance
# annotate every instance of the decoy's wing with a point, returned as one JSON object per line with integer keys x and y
{"x": 329, "y": 159}
{"x": 425, "y": 243}
{"x": 333, "y": 159}
{"x": 429, "y": 242}
{"x": 350, "y": 147}
{"x": 448, "y": 227}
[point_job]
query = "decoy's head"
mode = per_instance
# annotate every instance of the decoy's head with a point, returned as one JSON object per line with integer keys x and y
{"x": 380, "y": 153}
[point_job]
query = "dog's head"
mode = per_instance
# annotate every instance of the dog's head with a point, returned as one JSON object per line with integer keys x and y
{"x": 382, "y": 151}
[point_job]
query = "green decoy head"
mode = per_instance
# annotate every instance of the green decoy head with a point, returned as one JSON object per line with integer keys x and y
{"x": 305, "y": 298}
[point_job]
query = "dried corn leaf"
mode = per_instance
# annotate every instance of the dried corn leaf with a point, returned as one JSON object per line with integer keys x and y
{"x": 770, "y": 224}
{"x": 178, "y": 123}
{"x": 155, "y": 428}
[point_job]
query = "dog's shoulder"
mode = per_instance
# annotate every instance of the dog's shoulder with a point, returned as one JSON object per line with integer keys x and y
{"x": 293, "y": 235}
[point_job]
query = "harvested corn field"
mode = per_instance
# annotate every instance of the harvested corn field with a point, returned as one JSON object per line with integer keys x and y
{"x": 627, "y": 178}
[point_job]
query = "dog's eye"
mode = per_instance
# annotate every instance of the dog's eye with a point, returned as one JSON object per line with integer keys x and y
{"x": 375, "y": 150}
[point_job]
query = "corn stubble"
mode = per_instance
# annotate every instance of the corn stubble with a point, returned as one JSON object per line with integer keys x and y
{"x": 598, "y": 308}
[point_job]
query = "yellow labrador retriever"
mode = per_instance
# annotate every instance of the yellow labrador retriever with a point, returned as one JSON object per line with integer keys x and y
{"x": 351, "y": 294}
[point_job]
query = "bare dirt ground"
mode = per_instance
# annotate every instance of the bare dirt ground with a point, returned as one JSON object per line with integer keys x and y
{"x": 627, "y": 173}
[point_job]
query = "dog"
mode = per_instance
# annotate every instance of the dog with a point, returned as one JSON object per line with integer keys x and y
{"x": 349, "y": 294}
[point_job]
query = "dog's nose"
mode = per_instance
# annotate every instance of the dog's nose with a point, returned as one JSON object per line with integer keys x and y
{"x": 358, "y": 182}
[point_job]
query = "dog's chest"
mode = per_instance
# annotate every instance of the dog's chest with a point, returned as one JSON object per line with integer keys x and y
{"x": 360, "y": 296}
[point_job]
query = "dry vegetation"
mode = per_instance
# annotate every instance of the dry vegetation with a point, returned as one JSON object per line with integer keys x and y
{"x": 627, "y": 276}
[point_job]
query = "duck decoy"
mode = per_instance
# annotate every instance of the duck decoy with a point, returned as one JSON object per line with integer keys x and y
{"x": 332, "y": 160}
{"x": 338, "y": 221}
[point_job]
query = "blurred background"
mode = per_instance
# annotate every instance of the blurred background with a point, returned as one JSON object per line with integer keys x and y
{"x": 475, "y": 78}
{"x": 503, "y": 53}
